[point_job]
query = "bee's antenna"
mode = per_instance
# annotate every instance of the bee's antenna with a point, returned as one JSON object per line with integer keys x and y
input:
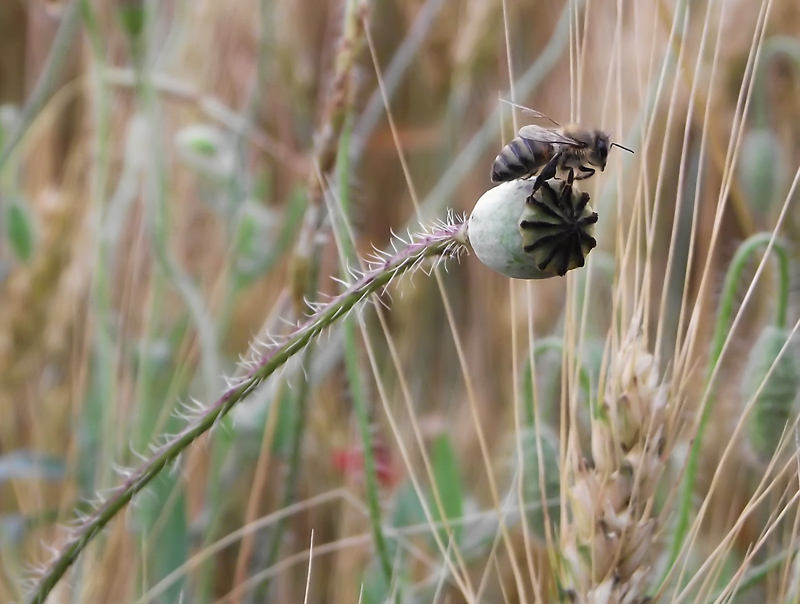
{"x": 621, "y": 147}
{"x": 529, "y": 111}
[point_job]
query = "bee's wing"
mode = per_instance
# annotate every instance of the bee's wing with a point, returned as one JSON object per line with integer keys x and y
{"x": 532, "y": 112}
{"x": 547, "y": 135}
{"x": 540, "y": 115}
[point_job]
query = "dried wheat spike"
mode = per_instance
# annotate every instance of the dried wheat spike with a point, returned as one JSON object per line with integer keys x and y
{"x": 608, "y": 539}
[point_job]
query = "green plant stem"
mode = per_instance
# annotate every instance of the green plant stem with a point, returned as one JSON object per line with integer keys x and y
{"x": 293, "y": 468}
{"x": 355, "y": 378}
{"x": 445, "y": 242}
{"x": 59, "y": 52}
{"x": 238, "y": 190}
{"x": 737, "y": 266}
{"x": 170, "y": 275}
{"x": 370, "y": 475}
{"x": 99, "y": 418}
{"x": 173, "y": 273}
{"x": 308, "y": 252}
{"x": 724, "y": 315}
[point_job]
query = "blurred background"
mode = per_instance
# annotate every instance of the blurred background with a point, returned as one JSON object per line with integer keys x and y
{"x": 166, "y": 172}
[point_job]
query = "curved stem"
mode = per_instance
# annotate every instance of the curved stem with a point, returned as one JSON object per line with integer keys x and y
{"x": 724, "y": 315}
{"x": 445, "y": 242}
{"x": 732, "y": 279}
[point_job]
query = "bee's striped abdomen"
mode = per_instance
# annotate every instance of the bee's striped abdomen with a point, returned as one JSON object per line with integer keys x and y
{"x": 520, "y": 158}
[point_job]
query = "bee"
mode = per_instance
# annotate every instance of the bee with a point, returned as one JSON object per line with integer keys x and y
{"x": 566, "y": 148}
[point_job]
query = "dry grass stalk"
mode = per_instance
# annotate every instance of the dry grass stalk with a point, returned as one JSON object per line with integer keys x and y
{"x": 608, "y": 539}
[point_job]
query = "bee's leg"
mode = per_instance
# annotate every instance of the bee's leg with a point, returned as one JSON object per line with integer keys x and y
{"x": 581, "y": 205}
{"x": 586, "y": 172}
{"x": 548, "y": 172}
{"x": 565, "y": 198}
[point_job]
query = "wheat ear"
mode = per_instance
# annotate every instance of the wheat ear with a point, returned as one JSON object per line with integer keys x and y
{"x": 608, "y": 537}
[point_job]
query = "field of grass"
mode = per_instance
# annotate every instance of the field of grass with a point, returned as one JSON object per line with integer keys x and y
{"x": 248, "y": 355}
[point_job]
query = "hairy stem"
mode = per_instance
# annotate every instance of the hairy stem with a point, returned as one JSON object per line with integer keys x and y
{"x": 444, "y": 242}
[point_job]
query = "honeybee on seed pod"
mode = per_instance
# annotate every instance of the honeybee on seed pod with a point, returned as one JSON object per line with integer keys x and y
{"x": 529, "y": 232}
{"x": 553, "y": 149}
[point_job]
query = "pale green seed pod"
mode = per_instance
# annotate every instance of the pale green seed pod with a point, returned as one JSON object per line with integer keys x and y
{"x": 762, "y": 170}
{"x": 207, "y": 149}
{"x": 774, "y": 405}
{"x": 535, "y": 236}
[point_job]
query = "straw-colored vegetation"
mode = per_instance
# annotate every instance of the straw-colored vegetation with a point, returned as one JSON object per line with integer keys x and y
{"x": 197, "y": 404}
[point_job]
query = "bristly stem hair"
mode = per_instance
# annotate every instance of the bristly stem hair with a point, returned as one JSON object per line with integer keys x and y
{"x": 446, "y": 241}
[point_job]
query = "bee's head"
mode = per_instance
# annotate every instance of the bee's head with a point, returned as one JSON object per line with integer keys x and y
{"x": 598, "y": 154}
{"x": 599, "y": 150}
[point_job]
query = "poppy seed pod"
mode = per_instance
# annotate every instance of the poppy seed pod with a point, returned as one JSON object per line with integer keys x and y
{"x": 762, "y": 169}
{"x": 774, "y": 406}
{"x": 527, "y": 235}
